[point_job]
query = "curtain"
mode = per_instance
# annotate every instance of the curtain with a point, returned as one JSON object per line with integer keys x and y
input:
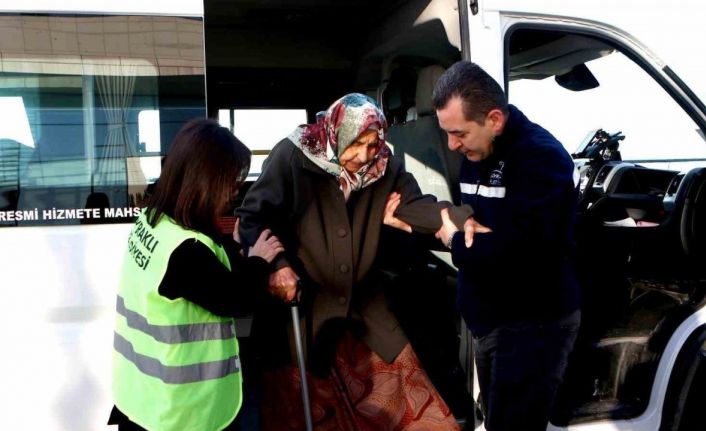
{"x": 115, "y": 92}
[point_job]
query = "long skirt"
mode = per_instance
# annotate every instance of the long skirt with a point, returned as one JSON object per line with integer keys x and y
{"x": 362, "y": 393}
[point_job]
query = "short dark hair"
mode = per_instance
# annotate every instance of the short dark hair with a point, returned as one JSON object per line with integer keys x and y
{"x": 205, "y": 168}
{"x": 479, "y": 92}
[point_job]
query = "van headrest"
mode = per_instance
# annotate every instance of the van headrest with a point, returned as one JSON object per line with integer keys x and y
{"x": 398, "y": 96}
{"x": 425, "y": 87}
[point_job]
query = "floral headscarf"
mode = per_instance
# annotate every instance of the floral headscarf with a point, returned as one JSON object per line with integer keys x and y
{"x": 335, "y": 130}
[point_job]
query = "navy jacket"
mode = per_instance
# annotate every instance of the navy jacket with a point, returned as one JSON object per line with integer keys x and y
{"x": 525, "y": 192}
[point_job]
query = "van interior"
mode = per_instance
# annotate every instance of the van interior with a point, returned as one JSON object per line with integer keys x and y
{"x": 640, "y": 244}
{"x": 639, "y": 280}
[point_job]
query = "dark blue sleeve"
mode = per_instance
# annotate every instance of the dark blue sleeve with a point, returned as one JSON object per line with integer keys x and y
{"x": 539, "y": 197}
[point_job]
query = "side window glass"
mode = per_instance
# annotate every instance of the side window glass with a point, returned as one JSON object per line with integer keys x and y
{"x": 92, "y": 104}
{"x": 260, "y": 130}
{"x": 624, "y": 98}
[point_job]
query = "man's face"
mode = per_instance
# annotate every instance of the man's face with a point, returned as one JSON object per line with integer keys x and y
{"x": 471, "y": 139}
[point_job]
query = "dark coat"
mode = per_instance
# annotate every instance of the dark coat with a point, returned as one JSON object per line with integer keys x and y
{"x": 333, "y": 246}
{"x": 523, "y": 270}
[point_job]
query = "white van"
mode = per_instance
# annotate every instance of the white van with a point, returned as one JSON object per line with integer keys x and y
{"x": 91, "y": 94}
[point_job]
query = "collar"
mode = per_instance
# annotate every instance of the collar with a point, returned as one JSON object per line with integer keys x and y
{"x": 306, "y": 163}
{"x": 510, "y": 133}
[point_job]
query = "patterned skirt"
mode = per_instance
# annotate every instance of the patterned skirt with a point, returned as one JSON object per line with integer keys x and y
{"x": 362, "y": 393}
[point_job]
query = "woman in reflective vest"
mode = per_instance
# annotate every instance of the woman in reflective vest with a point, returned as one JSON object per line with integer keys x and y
{"x": 175, "y": 359}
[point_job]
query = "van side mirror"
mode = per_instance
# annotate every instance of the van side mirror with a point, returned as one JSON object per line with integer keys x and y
{"x": 579, "y": 78}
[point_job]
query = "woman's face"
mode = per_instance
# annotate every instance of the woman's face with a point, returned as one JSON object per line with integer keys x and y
{"x": 361, "y": 151}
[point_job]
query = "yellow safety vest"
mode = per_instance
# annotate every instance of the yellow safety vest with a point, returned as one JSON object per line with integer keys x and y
{"x": 175, "y": 364}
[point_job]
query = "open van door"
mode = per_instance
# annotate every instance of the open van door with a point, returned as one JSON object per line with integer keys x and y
{"x": 625, "y": 98}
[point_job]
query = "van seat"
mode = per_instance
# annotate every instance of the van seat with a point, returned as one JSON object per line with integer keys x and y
{"x": 422, "y": 144}
{"x": 397, "y": 95}
{"x": 693, "y": 218}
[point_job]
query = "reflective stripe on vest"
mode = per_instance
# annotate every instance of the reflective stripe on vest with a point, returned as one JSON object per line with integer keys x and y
{"x": 174, "y": 334}
{"x": 176, "y": 374}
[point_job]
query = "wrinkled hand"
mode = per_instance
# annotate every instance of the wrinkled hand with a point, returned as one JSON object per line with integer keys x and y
{"x": 266, "y": 246}
{"x": 283, "y": 283}
{"x": 389, "y": 219}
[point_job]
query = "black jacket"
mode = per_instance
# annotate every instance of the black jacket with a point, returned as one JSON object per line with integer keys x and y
{"x": 525, "y": 192}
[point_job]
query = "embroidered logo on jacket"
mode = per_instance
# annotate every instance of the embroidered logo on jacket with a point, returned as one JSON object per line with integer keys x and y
{"x": 496, "y": 175}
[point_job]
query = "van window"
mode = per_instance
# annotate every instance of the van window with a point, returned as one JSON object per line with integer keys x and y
{"x": 658, "y": 133}
{"x": 93, "y": 102}
{"x": 260, "y": 130}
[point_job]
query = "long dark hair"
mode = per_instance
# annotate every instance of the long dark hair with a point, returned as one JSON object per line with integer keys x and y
{"x": 201, "y": 176}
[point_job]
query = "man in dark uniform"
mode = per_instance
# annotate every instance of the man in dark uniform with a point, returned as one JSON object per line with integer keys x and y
{"x": 517, "y": 291}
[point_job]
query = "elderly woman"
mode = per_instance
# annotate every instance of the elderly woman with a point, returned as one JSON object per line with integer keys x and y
{"x": 324, "y": 192}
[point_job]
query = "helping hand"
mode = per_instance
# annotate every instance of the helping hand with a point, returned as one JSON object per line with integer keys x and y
{"x": 470, "y": 228}
{"x": 389, "y": 219}
{"x": 266, "y": 248}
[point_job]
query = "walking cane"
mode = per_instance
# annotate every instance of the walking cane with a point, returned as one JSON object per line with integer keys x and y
{"x": 300, "y": 359}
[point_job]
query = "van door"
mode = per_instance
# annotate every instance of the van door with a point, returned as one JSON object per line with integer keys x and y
{"x": 582, "y": 73}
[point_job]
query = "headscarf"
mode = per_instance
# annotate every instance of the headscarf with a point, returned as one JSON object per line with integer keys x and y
{"x": 335, "y": 130}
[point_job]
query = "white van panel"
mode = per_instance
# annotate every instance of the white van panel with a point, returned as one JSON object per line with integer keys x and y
{"x": 651, "y": 419}
{"x": 137, "y": 7}
{"x": 57, "y": 325}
